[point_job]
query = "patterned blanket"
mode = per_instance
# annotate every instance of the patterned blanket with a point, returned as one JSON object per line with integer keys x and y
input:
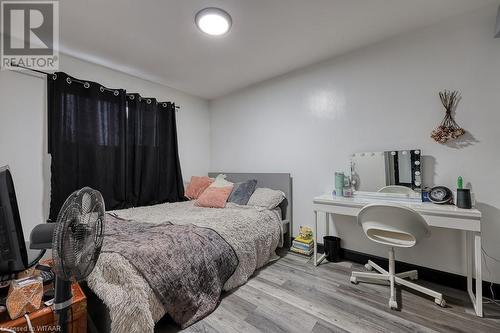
{"x": 185, "y": 265}
{"x": 253, "y": 233}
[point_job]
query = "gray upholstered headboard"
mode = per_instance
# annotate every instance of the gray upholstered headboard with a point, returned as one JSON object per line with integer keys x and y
{"x": 275, "y": 181}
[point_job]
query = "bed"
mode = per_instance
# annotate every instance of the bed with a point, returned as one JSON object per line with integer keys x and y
{"x": 122, "y": 300}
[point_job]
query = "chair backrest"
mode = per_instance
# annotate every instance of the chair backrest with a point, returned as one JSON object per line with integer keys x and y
{"x": 393, "y": 224}
{"x": 396, "y": 189}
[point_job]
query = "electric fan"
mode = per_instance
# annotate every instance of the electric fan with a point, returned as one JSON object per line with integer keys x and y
{"x": 76, "y": 241}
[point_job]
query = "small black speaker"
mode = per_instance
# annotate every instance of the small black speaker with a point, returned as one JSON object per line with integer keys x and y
{"x": 463, "y": 198}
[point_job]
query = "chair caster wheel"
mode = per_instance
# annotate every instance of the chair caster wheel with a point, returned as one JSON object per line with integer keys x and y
{"x": 369, "y": 267}
{"x": 393, "y": 304}
{"x": 354, "y": 280}
{"x": 441, "y": 302}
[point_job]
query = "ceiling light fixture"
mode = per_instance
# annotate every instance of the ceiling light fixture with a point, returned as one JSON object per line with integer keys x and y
{"x": 213, "y": 21}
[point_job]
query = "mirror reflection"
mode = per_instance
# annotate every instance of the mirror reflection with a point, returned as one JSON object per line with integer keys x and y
{"x": 397, "y": 172}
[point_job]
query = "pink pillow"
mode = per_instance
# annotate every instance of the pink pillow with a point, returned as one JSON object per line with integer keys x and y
{"x": 197, "y": 185}
{"x": 214, "y": 197}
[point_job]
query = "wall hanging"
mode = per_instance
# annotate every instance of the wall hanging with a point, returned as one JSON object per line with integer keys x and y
{"x": 448, "y": 129}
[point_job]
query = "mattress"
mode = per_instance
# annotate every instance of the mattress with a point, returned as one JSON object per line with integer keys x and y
{"x": 254, "y": 233}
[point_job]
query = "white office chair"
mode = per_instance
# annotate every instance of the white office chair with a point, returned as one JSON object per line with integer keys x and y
{"x": 396, "y": 226}
{"x": 396, "y": 189}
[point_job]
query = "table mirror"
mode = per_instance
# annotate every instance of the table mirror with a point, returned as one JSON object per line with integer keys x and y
{"x": 392, "y": 174}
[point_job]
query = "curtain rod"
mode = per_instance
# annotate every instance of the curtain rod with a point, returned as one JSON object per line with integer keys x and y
{"x": 84, "y": 83}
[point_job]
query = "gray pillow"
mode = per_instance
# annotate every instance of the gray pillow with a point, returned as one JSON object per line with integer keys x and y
{"x": 242, "y": 192}
{"x": 266, "y": 197}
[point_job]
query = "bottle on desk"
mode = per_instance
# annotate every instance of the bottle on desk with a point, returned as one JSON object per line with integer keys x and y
{"x": 347, "y": 190}
{"x": 339, "y": 184}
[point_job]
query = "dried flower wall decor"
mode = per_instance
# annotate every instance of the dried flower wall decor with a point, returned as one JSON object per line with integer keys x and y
{"x": 448, "y": 129}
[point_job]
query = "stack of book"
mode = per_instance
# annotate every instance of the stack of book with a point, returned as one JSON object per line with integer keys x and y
{"x": 303, "y": 246}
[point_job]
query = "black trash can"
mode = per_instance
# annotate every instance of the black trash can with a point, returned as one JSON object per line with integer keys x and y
{"x": 332, "y": 248}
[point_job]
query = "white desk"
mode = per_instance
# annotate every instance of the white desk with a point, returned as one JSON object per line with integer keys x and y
{"x": 440, "y": 216}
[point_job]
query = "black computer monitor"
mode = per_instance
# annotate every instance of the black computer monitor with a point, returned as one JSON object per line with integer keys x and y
{"x": 13, "y": 254}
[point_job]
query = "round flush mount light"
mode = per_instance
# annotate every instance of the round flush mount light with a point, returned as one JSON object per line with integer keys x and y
{"x": 213, "y": 21}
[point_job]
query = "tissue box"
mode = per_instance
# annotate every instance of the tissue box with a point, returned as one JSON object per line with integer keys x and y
{"x": 25, "y": 296}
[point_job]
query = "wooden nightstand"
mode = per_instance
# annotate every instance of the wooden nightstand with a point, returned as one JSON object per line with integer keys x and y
{"x": 44, "y": 320}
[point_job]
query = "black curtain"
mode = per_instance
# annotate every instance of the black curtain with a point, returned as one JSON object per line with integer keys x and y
{"x": 129, "y": 154}
{"x": 87, "y": 133}
{"x": 152, "y": 154}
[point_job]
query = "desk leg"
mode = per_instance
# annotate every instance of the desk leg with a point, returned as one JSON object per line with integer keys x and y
{"x": 468, "y": 255}
{"x": 327, "y": 224}
{"x": 315, "y": 230}
{"x": 473, "y": 248}
{"x": 479, "y": 276}
{"x": 317, "y": 260}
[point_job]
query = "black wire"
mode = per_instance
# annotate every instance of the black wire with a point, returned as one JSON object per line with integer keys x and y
{"x": 71, "y": 318}
{"x": 7, "y": 277}
{"x": 492, "y": 299}
{"x": 31, "y": 264}
{"x": 492, "y": 258}
{"x": 37, "y": 259}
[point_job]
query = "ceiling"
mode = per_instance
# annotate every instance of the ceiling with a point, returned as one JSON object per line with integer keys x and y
{"x": 158, "y": 40}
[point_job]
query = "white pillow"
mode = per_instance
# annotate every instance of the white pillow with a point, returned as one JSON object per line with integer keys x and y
{"x": 220, "y": 181}
{"x": 266, "y": 197}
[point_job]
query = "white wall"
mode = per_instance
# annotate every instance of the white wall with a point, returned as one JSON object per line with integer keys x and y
{"x": 378, "y": 98}
{"x": 23, "y": 130}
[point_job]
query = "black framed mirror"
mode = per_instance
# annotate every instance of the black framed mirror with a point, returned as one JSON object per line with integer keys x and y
{"x": 391, "y": 172}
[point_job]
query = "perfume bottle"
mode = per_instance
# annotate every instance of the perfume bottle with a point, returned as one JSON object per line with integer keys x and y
{"x": 347, "y": 190}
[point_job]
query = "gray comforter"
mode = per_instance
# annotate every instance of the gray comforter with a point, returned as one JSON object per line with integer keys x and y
{"x": 253, "y": 233}
{"x": 185, "y": 265}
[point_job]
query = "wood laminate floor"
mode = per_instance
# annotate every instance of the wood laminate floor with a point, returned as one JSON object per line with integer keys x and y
{"x": 291, "y": 295}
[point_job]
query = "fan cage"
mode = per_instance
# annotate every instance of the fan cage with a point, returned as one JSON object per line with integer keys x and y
{"x": 78, "y": 235}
